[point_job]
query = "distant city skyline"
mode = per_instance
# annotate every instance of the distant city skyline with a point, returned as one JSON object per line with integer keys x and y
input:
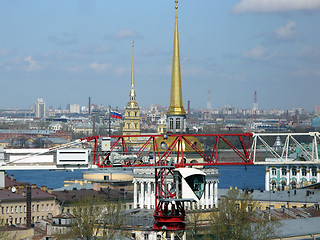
{"x": 65, "y": 52}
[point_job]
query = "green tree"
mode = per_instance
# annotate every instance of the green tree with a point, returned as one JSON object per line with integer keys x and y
{"x": 4, "y": 233}
{"x": 95, "y": 219}
{"x": 193, "y": 223}
{"x": 234, "y": 219}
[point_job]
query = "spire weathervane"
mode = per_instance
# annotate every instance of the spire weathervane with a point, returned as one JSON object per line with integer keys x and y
{"x": 132, "y": 91}
{"x": 132, "y": 66}
{"x": 176, "y": 102}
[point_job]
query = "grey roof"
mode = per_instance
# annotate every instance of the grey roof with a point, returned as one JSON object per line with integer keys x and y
{"x": 76, "y": 186}
{"x": 296, "y": 195}
{"x": 299, "y": 227}
{"x": 22, "y": 131}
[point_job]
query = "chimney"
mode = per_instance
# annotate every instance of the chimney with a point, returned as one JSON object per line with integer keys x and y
{"x": 12, "y": 178}
{"x": 50, "y": 190}
{"x": 44, "y": 188}
{"x": 33, "y": 186}
{"x": 23, "y": 194}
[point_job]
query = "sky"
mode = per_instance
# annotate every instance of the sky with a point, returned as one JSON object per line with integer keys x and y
{"x": 68, "y": 51}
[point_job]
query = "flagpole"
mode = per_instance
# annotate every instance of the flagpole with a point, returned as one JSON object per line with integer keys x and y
{"x": 109, "y": 120}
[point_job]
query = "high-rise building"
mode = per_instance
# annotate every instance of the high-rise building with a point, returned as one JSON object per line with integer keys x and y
{"x": 40, "y": 108}
{"x": 74, "y": 108}
{"x": 132, "y": 110}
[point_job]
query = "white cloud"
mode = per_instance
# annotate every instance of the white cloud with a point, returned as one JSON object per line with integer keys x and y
{"x": 121, "y": 71}
{"x": 259, "y": 53}
{"x": 307, "y": 73}
{"x": 94, "y": 49}
{"x": 64, "y": 39}
{"x": 5, "y": 52}
{"x": 310, "y": 53}
{"x": 99, "y": 67}
{"x": 124, "y": 34}
{"x": 32, "y": 65}
{"x": 286, "y": 32}
{"x": 271, "y": 6}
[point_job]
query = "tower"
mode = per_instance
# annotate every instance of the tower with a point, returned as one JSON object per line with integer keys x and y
{"x": 132, "y": 110}
{"x": 40, "y": 109}
{"x": 209, "y": 100}
{"x": 255, "y": 106}
{"x": 176, "y": 115}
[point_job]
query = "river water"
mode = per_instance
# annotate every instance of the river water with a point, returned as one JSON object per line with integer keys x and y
{"x": 230, "y": 176}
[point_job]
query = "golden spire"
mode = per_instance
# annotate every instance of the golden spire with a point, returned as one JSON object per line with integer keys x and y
{"x": 132, "y": 91}
{"x": 132, "y": 67}
{"x": 176, "y": 103}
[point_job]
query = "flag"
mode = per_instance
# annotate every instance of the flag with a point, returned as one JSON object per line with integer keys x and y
{"x": 115, "y": 115}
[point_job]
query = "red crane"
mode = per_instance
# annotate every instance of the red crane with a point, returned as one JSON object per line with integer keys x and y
{"x": 169, "y": 212}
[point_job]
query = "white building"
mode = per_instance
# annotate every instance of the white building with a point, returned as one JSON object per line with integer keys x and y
{"x": 40, "y": 108}
{"x": 74, "y": 108}
{"x": 144, "y": 189}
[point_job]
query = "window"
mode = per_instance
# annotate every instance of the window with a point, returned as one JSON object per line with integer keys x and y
{"x": 32, "y": 208}
{"x": 273, "y": 185}
{"x": 11, "y": 209}
{"x": 284, "y": 171}
{"x": 135, "y": 114}
{"x": 146, "y": 236}
{"x": 178, "y": 123}
{"x": 171, "y": 123}
{"x": 128, "y": 125}
{"x": 20, "y": 210}
{"x": 37, "y": 207}
{"x": 7, "y": 209}
{"x": 16, "y": 209}
{"x": 42, "y": 207}
{"x": 314, "y": 172}
{"x": 274, "y": 171}
{"x": 52, "y": 206}
{"x": 294, "y": 172}
{"x": 128, "y": 114}
{"x": 136, "y": 125}
{"x": 304, "y": 172}
{"x": 47, "y": 207}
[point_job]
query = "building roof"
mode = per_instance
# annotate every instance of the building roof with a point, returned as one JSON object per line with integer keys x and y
{"x": 296, "y": 195}
{"x": 7, "y": 195}
{"x": 299, "y": 227}
{"x": 75, "y": 186}
{"x": 106, "y": 194}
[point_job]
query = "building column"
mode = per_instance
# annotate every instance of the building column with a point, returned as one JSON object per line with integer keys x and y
{"x": 202, "y": 201}
{"x": 141, "y": 195}
{"x": 207, "y": 194}
{"x": 267, "y": 179}
{"x": 298, "y": 176}
{"x": 172, "y": 235}
{"x": 149, "y": 196}
{"x": 184, "y": 236}
{"x": 135, "y": 194}
{"x": 153, "y": 188}
{"x": 216, "y": 194}
{"x": 211, "y": 194}
{"x": 2, "y": 179}
{"x": 318, "y": 174}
